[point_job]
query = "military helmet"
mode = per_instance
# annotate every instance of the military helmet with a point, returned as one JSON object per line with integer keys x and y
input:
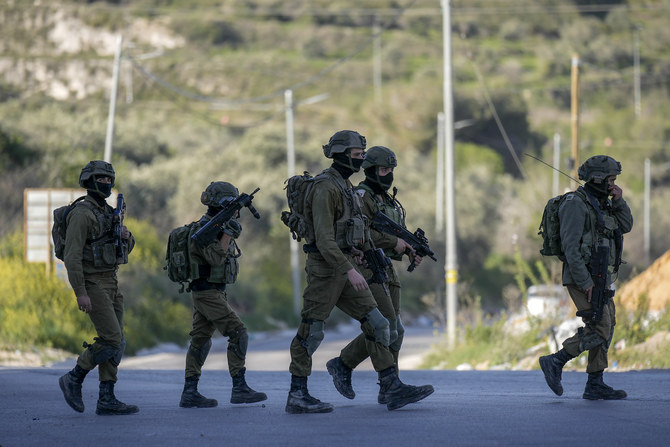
{"x": 598, "y": 168}
{"x": 96, "y": 168}
{"x": 217, "y": 192}
{"x": 343, "y": 140}
{"x": 379, "y": 156}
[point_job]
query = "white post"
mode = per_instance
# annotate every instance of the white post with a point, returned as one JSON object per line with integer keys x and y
{"x": 557, "y": 162}
{"x": 112, "y": 101}
{"x": 451, "y": 264}
{"x": 290, "y": 161}
{"x": 439, "y": 183}
{"x": 647, "y": 214}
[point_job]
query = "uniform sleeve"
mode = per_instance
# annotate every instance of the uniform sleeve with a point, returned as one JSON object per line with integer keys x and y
{"x": 79, "y": 225}
{"x": 381, "y": 240}
{"x": 623, "y": 215}
{"x": 213, "y": 254}
{"x": 573, "y": 216}
{"x": 324, "y": 204}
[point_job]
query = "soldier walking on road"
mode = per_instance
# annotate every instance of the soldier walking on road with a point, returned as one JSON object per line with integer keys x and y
{"x": 92, "y": 255}
{"x": 589, "y": 219}
{"x": 336, "y": 230}
{"x": 212, "y": 267}
{"x": 379, "y": 163}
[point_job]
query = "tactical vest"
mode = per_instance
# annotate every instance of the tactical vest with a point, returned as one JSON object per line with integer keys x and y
{"x": 607, "y": 228}
{"x": 351, "y": 228}
{"x": 100, "y": 250}
{"x": 389, "y": 206}
{"x": 225, "y": 273}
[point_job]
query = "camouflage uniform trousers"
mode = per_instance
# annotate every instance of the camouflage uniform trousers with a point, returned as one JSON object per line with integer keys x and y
{"x": 356, "y": 351}
{"x": 211, "y": 312}
{"x": 325, "y": 290}
{"x": 107, "y": 317}
{"x": 597, "y": 360}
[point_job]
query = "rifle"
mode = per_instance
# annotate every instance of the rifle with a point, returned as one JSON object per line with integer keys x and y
{"x": 381, "y": 222}
{"x": 117, "y": 230}
{"x": 601, "y": 292}
{"x": 209, "y": 232}
{"x": 378, "y": 262}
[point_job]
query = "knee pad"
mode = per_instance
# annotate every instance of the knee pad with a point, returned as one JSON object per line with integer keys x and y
{"x": 397, "y": 343}
{"x": 393, "y": 330}
{"x": 102, "y": 351}
{"x": 315, "y": 337}
{"x": 378, "y": 326}
{"x": 590, "y": 341}
{"x": 200, "y": 353}
{"x": 239, "y": 342}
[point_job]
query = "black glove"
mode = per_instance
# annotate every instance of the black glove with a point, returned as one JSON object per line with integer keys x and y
{"x": 232, "y": 228}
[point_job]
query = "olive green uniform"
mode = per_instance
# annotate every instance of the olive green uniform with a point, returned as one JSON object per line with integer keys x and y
{"x": 579, "y": 233}
{"x": 389, "y": 305}
{"x": 328, "y": 261}
{"x": 216, "y": 267}
{"x": 91, "y": 261}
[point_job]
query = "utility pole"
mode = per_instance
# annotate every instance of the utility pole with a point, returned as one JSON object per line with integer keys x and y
{"x": 377, "y": 59}
{"x": 647, "y": 214}
{"x": 574, "y": 106}
{"x": 290, "y": 161}
{"x": 557, "y": 163}
{"x": 636, "y": 66}
{"x": 109, "y": 139}
{"x": 451, "y": 263}
{"x": 439, "y": 180}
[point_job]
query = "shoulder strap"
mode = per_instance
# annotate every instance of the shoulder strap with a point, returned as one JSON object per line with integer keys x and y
{"x": 594, "y": 204}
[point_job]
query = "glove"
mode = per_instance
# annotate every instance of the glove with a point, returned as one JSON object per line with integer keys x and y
{"x": 232, "y": 228}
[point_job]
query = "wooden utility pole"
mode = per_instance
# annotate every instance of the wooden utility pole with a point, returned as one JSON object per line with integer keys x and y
{"x": 574, "y": 102}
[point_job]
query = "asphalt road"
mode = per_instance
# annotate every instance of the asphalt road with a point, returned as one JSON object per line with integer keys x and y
{"x": 468, "y": 408}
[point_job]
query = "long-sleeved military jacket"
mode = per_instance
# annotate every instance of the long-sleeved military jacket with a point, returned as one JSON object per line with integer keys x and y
{"x": 579, "y": 234}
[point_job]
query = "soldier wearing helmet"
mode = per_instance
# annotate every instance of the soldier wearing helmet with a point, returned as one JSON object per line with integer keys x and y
{"x": 91, "y": 259}
{"x": 378, "y": 164}
{"x": 593, "y": 215}
{"x": 333, "y": 211}
{"x": 213, "y": 267}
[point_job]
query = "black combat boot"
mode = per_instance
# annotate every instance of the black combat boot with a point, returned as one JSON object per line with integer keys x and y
{"x": 299, "y": 400}
{"x": 552, "y": 367}
{"x": 191, "y": 398}
{"x": 108, "y": 404}
{"x": 341, "y": 377}
{"x": 396, "y": 394}
{"x": 597, "y": 389}
{"x": 70, "y": 384}
{"x": 242, "y": 394}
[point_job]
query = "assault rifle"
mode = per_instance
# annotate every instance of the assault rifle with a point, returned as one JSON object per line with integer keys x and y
{"x": 601, "y": 292}
{"x": 381, "y": 222}
{"x": 117, "y": 229}
{"x": 378, "y": 262}
{"x": 209, "y": 232}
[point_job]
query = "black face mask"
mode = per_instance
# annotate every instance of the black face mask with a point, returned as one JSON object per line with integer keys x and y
{"x": 346, "y": 165}
{"x": 599, "y": 190}
{"x": 386, "y": 180}
{"x": 103, "y": 190}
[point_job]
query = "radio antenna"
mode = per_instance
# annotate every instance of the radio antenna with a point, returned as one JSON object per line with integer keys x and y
{"x": 555, "y": 169}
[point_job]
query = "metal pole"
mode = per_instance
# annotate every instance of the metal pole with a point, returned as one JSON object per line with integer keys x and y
{"x": 112, "y": 101}
{"x": 636, "y": 65}
{"x": 377, "y": 60}
{"x": 290, "y": 161}
{"x": 574, "y": 101}
{"x": 451, "y": 264}
{"x": 557, "y": 162}
{"x": 647, "y": 214}
{"x": 439, "y": 183}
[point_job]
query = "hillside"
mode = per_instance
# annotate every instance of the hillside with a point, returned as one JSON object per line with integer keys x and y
{"x": 202, "y": 97}
{"x": 654, "y": 282}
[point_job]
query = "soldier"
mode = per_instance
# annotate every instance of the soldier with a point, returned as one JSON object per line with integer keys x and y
{"x": 589, "y": 217}
{"x": 92, "y": 260}
{"x": 216, "y": 266}
{"x": 337, "y": 229}
{"x": 378, "y": 164}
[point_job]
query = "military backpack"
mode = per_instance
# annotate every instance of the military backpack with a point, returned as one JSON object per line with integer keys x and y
{"x": 297, "y": 189}
{"x": 59, "y": 228}
{"x": 177, "y": 255}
